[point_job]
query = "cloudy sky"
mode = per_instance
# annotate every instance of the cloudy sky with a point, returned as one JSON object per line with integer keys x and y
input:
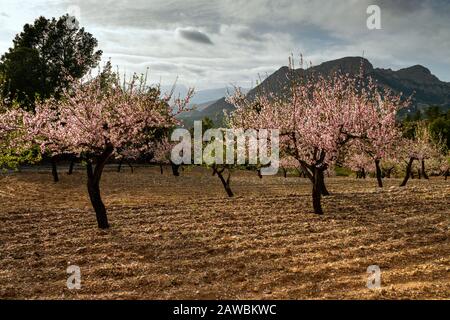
{"x": 210, "y": 44}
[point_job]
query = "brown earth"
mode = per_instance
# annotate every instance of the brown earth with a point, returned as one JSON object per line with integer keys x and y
{"x": 182, "y": 238}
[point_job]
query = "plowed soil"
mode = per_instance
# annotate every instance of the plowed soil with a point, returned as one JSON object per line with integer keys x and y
{"x": 182, "y": 238}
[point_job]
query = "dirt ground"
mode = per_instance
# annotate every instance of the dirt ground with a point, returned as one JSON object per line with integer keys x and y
{"x": 182, "y": 238}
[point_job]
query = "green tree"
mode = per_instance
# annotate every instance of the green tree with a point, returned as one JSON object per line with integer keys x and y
{"x": 44, "y": 58}
{"x": 433, "y": 113}
{"x": 440, "y": 129}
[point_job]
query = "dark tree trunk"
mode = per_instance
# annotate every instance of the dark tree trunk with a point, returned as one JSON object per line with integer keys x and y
{"x": 284, "y": 172}
{"x": 379, "y": 174}
{"x": 54, "y": 170}
{"x": 225, "y": 182}
{"x": 424, "y": 173}
{"x": 131, "y": 166}
{"x": 446, "y": 174}
{"x": 317, "y": 191}
{"x": 96, "y": 200}
{"x": 93, "y": 185}
{"x": 71, "y": 165}
{"x": 175, "y": 169}
{"x": 161, "y": 168}
{"x": 259, "y": 173}
{"x": 419, "y": 173}
{"x": 408, "y": 172}
{"x": 363, "y": 173}
{"x": 323, "y": 187}
{"x": 119, "y": 167}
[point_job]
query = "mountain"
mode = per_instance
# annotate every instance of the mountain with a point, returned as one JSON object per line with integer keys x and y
{"x": 211, "y": 109}
{"x": 425, "y": 88}
{"x": 201, "y": 96}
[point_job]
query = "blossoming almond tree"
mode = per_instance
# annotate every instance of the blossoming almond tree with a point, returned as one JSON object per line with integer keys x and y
{"x": 162, "y": 156}
{"x": 288, "y": 163}
{"x": 94, "y": 122}
{"x": 381, "y": 132}
{"x": 359, "y": 162}
{"x": 421, "y": 148}
{"x": 322, "y": 115}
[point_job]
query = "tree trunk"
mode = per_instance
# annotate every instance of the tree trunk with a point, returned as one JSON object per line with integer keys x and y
{"x": 323, "y": 187}
{"x": 71, "y": 165}
{"x": 284, "y": 172}
{"x": 54, "y": 170}
{"x": 363, "y": 173}
{"x": 447, "y": 173}
{"x": 120, "y": 166}
{"x": 379, "y": 175}
{"x": 175, "y": 169}
{"x": 96, "y": 200}
{"x": 408, "y": 172}
{"x": 93, "y": 185}
{"x": 161, "y": 168}
{"x": 419, "y": 173}
{"x": 225, "y": 182}
{"x": 131, "y": 167}
{"x": 424, "y": 173}
{"x": 317, "y": 192}
{"x": 259, "y": 173}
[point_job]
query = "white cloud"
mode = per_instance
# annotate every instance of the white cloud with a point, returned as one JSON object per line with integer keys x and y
{"x": 213, "y": 43}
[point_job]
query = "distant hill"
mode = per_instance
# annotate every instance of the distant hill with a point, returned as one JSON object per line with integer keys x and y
{"x": 200, "y": 97}
{"x": 212, "y": 109}
{"x": 417, "y": 80}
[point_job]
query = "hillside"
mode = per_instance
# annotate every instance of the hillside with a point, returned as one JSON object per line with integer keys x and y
{"x": 417, "y": 81}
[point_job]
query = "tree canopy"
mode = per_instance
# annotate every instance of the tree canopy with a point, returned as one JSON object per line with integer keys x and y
{"x": 45, "y": 57}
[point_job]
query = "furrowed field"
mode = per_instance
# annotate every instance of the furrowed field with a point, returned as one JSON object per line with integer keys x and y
{"x": 183, "y": 238}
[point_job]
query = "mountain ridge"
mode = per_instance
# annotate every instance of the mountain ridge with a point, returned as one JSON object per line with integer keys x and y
{"x": 416, "y": 81}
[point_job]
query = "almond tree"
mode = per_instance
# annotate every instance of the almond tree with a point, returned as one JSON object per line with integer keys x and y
{"x": 320, "y": 118}
{"x": 418, "y": 149}
{"x": 360, "y": 163}
{"x": 287, "y": 163}
{"x": 382, "y": 133}
{"x": 162, "y": 156}
{"x": 95, "y": 122}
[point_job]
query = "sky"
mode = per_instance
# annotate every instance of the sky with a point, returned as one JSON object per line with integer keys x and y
{"x": 210, "y": 44}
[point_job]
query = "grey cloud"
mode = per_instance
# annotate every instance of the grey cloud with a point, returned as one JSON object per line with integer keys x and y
{"x": 249, "y": 36}
{"x": 253, "y": 36}
{"x": 194, "y": 35}
{"x": 403, "y": 6}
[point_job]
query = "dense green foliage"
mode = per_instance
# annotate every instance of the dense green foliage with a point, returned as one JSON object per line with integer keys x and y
{"x": 437, "y": 120}
{"x": 44, "y": 58}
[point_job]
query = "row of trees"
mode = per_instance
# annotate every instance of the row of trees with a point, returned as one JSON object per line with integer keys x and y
{"x": 419, "y": 153}
{"x": 51, "y": 107}
{"x": 96, "y": 120}
{"x": 325, "y": 121}
{"x": 322, "y": 119}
